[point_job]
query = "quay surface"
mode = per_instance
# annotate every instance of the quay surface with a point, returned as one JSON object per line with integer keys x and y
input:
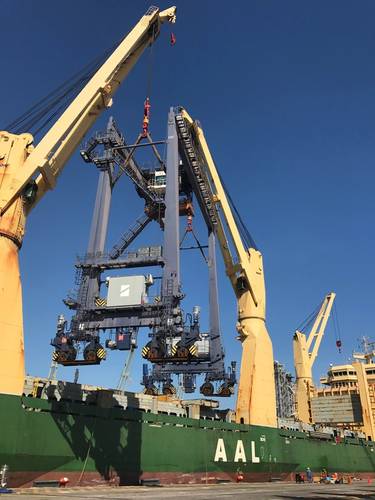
{"x": 264, "y": 491}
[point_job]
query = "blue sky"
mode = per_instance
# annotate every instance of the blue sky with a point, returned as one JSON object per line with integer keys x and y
{"x": 285, "y": 94}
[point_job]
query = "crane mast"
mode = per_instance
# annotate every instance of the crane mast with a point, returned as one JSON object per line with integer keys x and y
{"x": 256, "y": 400}
{"x": 305, "y": 351}
{"x": 28, "y": 172}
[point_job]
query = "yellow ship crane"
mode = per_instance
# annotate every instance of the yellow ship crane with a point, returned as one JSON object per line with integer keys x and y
{"x": 256, "y": 399}
{"x": 305, "y": 352}
{"x": 28, "y": 172}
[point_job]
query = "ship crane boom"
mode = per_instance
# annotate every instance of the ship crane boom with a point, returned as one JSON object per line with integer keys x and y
{"x": 256, "y": 399}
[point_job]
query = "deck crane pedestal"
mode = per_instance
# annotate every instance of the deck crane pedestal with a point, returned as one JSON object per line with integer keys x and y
{"x": 28, "y": 172}
{"x": 305, "y": 352}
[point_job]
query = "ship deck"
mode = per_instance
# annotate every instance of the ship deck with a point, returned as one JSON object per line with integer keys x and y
{"x": 265, "y": 491}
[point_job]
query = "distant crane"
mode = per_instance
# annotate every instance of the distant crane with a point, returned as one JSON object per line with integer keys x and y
{"x": 305, "y": 352}
{"x": 368, "y": 351}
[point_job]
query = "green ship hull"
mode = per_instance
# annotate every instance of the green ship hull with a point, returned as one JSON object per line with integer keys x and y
{"x": 41, "y": 439}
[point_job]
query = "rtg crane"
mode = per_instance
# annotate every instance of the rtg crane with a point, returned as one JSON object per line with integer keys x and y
{"x": 28, "y": 172}
{"x": 256, "y": 400}
{"x": 305, "y": 353}
{"x": 121, "y": 305}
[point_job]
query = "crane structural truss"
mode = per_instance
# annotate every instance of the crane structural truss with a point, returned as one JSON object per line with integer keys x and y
{"x": 28, "y": 172}
{"x": 305, "y": 350}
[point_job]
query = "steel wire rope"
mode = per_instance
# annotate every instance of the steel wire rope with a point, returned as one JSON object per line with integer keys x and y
{"x": 53, "y": 93}
{"x": 36, "y": 112}
{"x": 309, "y": 319}
{"x": 246, "y": 237}
{"x": 243, "y": 230}
{"x": 38, "y": 116}
{"x": 199, "y": 247}
{"x": 336, "y": 324}
{"x": 150, "y": 65}
{"x": 71, "y": 92}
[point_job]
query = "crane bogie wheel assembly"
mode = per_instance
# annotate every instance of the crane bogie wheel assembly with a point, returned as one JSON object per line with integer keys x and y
{"x": 182, "y": 352}
{"x": 207, "y": 389}
{"x": 169, "y": 390}
{"x": 153, "y": 353}
{"x": 226, "y": 390}
{"x": 151, "y": 391}
{"x": 65, "y": 355}
{"x": 94, "y": 353}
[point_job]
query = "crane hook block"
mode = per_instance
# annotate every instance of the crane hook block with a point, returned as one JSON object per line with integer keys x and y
{"x": 146, "y": 117}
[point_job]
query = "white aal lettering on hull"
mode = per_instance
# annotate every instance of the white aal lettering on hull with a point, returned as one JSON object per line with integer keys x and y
{"x": 240, "y": 454}
{"x": 220, "y": 453}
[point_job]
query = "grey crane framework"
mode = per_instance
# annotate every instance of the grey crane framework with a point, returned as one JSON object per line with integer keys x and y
{"x": 118, "y": 306}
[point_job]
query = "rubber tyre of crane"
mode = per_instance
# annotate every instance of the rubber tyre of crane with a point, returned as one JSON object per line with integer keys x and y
{"x": 151, "y": 391}
{"x": 182, "y": 352}
{"x": 169, "y": 390}
{"x": 63, "y": 356}
{"x": 153, "y": 353}
{"x": 226, "y": 391}
{"x": 207, "y": 389}
{"x": 90, "y": 355}
{"x": 72, "y": 354}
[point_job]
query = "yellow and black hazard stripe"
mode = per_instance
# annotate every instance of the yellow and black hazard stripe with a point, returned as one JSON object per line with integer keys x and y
{"x": 55, "y": 356}
{"x": 193, "y": 349}
{"x": 174, "y": 350}
{"x": 100, "y": 353}
{"x": 99, "y": 302}
{"x": 145, "y": 351}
